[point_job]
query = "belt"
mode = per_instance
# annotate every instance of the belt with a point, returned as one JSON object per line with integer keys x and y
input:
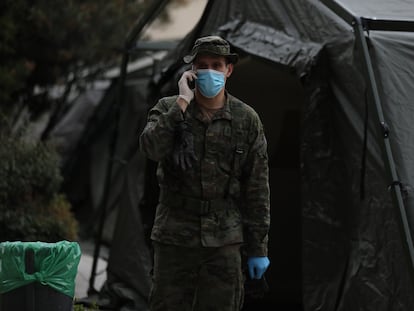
{"x": 190, "y": 204}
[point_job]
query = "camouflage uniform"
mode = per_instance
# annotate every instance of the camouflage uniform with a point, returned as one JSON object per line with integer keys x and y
{"x": 219, "y": 203}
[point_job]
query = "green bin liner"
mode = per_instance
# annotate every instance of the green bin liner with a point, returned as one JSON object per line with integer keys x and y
{"x": 55, "y": 265}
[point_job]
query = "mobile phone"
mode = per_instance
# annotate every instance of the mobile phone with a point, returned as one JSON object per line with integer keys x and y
{"x": 191, "y": 84}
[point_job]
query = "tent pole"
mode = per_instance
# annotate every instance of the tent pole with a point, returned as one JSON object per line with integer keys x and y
{"x": 388, "y": 25}
{"x": 389, "y": 160}
{"x": 153, "y": 10}
{"x": 369, "y": 23}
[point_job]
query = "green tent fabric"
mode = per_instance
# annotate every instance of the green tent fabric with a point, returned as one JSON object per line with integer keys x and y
{"x": 330, "y": 249}
{"x": 353, "y": 249}
{"x": 55, "y": 265}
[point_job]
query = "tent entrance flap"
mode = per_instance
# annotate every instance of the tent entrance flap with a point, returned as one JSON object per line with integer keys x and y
{"x": 278, "y": 97}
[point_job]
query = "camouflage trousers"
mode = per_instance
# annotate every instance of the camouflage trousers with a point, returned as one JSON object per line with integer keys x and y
{"x": 197, "y": 279}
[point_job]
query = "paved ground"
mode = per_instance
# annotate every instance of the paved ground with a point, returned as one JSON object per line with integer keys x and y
{"x": 85, "y": 268}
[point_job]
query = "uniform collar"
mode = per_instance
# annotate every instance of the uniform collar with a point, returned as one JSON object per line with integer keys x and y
{"x": 223, "y": 113}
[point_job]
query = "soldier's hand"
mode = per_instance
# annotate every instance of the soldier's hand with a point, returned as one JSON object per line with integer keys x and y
{"x": 257, "y": 266}
{"x": 185, "y": 92}
{"x": 184, "y": 155}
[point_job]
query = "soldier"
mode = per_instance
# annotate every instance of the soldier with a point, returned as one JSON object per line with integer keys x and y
{"x": 214, "y": 189}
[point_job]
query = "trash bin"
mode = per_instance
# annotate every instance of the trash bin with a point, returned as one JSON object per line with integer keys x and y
{"x": 38, "y": 276}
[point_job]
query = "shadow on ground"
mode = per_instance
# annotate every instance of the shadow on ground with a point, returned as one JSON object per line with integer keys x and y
{"x": 264, "y": 306}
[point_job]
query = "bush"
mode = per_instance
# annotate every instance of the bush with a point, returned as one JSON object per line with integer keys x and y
{"x": 31, "y": 207}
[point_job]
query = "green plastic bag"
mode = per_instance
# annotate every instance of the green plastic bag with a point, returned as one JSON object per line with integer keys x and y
{"x": 56, "y": 265}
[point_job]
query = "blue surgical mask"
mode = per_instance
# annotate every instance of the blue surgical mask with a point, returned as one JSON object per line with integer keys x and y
{"x": 210, "y": 82}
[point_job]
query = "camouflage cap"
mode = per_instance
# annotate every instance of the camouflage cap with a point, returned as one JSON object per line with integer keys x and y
{"x": 211, "y": 45}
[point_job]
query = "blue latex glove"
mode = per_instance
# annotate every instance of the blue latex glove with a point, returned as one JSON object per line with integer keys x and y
{"x": 257, "y": 266}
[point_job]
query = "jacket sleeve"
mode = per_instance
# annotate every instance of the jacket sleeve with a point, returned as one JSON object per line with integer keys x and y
{"x": 256, "y": 192}
{"x": 157, "y": 138}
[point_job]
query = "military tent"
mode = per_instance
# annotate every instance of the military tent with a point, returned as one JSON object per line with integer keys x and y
{"x": 333, "y": 83}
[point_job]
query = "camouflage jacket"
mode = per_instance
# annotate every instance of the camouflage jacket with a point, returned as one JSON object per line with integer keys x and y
{"x": 224, "y": 197}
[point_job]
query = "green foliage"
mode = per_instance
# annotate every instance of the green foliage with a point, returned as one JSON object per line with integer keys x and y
{"x": 31, "y": 207}
{"x": 47, "y": 42}
{"x": 80, "y": 307}
{"x": 13, "y": 68}
{"x": 28, "y": 172}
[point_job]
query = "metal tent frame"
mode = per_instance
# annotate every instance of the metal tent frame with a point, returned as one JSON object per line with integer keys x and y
{"x": 362, "y": 26}
{"x": 129, "y": 46}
